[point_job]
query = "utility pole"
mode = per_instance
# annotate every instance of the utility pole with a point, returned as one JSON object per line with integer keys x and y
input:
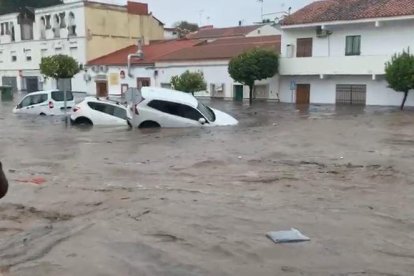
{"x": 261, "y": 9}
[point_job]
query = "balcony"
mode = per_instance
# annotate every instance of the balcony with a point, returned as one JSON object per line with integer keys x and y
{"x": 346, "y": 65}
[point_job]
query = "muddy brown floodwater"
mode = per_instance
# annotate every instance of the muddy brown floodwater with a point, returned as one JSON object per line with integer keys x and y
{"x": 200, "y": 201}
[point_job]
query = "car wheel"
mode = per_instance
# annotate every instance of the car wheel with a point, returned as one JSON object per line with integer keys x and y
{"x": 82, "y": 121}
{"x": 149, "y": 124}
{"x": 42, "y": 114}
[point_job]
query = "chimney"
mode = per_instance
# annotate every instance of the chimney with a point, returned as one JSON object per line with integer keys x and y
{"x": 137, "y": 8}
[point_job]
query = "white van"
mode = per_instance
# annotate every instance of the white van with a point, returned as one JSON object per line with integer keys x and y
{"x": 49, "y": 102}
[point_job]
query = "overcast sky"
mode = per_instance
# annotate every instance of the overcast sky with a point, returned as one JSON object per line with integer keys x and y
{"x": 220, "y": 13}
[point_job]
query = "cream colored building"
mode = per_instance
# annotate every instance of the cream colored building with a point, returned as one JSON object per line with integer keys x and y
{"x": 79, "y": 28}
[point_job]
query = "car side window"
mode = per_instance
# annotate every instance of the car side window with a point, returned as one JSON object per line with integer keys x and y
{"x": 176, "y": 109}
{"x": 120, "y": 113}
{"x": 38, "y": 99}
{"x": 109, "y": 109}
{"x": 26, "y": 101}
{"x": 59, "y": 96}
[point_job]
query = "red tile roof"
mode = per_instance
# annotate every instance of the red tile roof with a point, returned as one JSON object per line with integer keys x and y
{"x": 223, "y": 49}
{"x": 152, "y": 52}
{"x": 206, "y": 33}
{"x": 346, "y": 10}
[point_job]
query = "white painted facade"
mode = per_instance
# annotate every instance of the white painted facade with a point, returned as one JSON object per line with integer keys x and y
{"x": 20, "y": 58}
{"x": 329, "y": 66}
{"x": 219, "y": 82}
{"x": 264, "y": 31}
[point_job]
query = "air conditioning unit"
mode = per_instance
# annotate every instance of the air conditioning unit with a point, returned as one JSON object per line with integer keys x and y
{"x": 321, "y": 33}
{"x": 219, "y": 87}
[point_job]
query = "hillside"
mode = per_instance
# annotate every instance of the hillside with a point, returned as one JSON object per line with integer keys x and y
{"x": 8, "y": 6}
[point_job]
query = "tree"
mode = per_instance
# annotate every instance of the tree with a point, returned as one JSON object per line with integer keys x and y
{"x": 189, "y": 82}
{"x": 59, "y": 67}
{"x": 184, "y": 28}
{"x": 399, "y": 73}
{"x": 253, "y": 65}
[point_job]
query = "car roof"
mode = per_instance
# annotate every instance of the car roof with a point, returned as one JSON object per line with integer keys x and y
{"x": 45, "y": 92}
{"x": 104, "y": 101}
{"x": 163, "y": 94}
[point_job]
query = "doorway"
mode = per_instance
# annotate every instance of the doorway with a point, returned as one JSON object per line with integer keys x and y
{"x": 102, "y": 89}
{"x": 353, "y": 94}
{"x": 238, "y": 92}
{"x": 143, "y": 82}
{"x": 303, "y": 94}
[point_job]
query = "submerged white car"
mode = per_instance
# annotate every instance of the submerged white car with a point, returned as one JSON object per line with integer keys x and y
{"x": 95, "y": 111}
{"x": 50, "y": 102}
{"x": 167, "y": 108}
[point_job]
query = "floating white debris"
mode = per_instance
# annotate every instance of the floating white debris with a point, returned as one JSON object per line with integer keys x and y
{"x": 292, "y": 235}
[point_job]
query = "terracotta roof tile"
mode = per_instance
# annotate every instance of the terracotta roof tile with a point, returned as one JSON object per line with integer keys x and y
{"x": 223, "y": 49}
{"x": 347, "y": 10}
{"x": 152, "y": 52}
{"x": 223, "y": 32}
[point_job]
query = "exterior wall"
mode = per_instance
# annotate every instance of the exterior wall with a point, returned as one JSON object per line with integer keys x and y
{"x": 115, "y": 82}
{"x": 110, "y": 29}
{"x": 330, "y": 66}
{"x": 29, "y": 52}
{"x": 329, "y": 53}
{"x": 215, "y": 72}
{"x": 264, "y": 31}
{"x": 323, "y": 91}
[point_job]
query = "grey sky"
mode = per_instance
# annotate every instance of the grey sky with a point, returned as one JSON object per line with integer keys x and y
{"x": 216, "y": 12}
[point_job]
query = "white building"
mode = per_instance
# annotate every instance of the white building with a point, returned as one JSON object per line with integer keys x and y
{"x": 333, "y": 52}
{"x": 165, "y": 59}
{"x": 78, "y": 28}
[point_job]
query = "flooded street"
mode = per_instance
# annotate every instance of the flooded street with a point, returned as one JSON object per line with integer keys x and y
{"x": 114, "y": 201}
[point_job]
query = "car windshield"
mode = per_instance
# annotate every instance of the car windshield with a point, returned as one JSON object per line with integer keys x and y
{"x": 59, "y": 96}
{"x": 207, "y": 112}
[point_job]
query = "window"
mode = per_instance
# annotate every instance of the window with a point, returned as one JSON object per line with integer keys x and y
{"x": 71, "y": 24}
{"x": 13, "y": 58}
{"x": 353, "y": 45}
{"x": 304, "y": 47}
{"x": 28, "y": 58}
{"x": 62, "y": 20}
{"x": 26, "y": 102}
{"x": 176, "y": 109}
{"x": 207, "y": 112}
{"x": 166, "y": 85}
{"x": 109, "y": 109}
{"x": 38, "y": 99}
{"x": 59, "y": 96}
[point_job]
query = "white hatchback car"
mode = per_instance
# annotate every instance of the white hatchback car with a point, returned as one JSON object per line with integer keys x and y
{"x": 50, "y": 102}
{"x": 95, "y": 111}
{"x": 162, "y": 107}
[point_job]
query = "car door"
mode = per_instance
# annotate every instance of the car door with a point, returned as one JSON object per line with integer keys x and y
{"x": 24, "y": 106}
{"x": 39, "y": 104}
{"x": 171, "y": 114}
{"x": 107, "y": 114}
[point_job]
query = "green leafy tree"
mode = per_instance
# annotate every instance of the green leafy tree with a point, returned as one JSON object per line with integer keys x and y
{"x": 253, "y": 65}
{"x": 189, "y": 82}
{"x": 399, "y": 73}
{"x": 59, "y": 67}
{"x": 183, "y": 28}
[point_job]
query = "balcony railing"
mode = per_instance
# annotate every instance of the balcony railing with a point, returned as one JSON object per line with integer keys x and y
{"x": 346, "y": 65}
